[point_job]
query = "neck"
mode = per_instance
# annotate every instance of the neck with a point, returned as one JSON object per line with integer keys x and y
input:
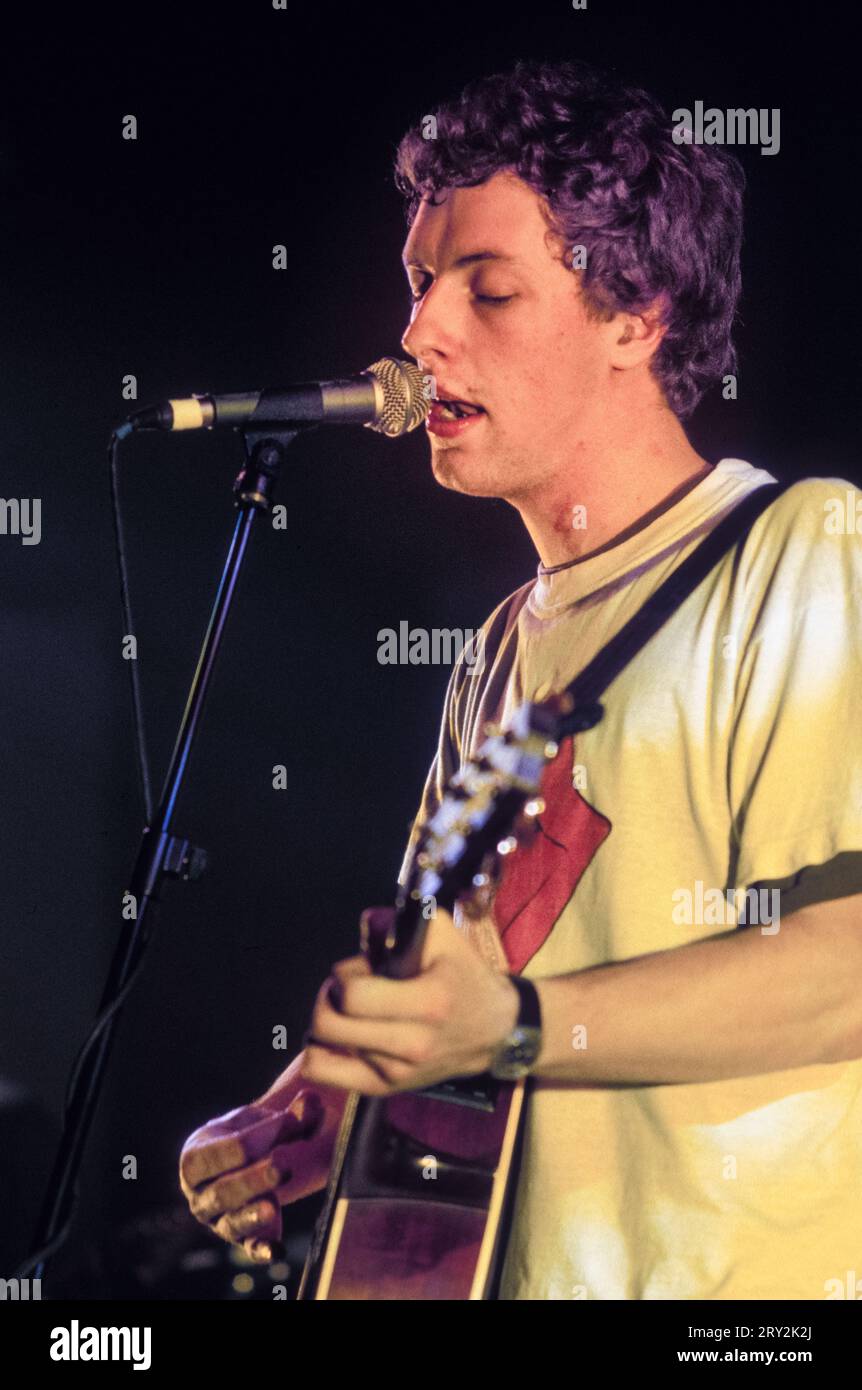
{"x": 609, "y": 488}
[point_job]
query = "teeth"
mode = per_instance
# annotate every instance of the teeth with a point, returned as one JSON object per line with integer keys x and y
{"x": 454, "y": 410}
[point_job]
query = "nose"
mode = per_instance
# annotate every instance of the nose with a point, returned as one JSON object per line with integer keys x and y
{"x": 426, "y": 339}
{"x": 413, "y": 338}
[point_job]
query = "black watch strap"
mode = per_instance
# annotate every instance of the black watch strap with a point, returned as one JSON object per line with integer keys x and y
{"x": 529, "y": 1014}
{"x": 519, "y": 1051}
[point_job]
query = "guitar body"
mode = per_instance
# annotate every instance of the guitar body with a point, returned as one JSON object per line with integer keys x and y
{"x": 419, "y": 1205}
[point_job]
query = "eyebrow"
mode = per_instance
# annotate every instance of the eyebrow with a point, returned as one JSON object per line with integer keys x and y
{"x": 470, "y": 259}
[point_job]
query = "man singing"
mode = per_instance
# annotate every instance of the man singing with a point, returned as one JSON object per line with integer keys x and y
{"x": 694, "y": 1125}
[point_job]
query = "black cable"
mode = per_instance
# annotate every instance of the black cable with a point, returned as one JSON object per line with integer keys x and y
{"x": 38, "y": 1257}
{"x": 137, "y": 706}
{"x": 107, "y": 1013}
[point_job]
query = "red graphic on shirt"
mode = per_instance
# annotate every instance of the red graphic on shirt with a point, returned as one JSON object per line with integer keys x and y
{"x": 540, "y": 876}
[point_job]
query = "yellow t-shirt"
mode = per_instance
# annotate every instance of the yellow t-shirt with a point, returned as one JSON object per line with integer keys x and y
{"x": 730, "y": 754}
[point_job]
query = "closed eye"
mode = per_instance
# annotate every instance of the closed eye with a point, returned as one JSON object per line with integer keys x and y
{"x": 416, "y": 295}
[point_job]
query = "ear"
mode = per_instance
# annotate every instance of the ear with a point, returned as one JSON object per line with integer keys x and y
{"x": 634, "y": 338}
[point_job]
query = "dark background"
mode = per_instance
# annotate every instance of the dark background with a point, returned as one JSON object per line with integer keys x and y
{"x": 153, "y": 257}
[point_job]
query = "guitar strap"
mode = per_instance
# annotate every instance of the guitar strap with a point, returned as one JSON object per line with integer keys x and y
{"x": 539, "y": 880}
{"x": 669, "y": 596}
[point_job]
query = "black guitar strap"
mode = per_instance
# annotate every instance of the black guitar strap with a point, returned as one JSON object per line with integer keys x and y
{"x": 598, "y": 673}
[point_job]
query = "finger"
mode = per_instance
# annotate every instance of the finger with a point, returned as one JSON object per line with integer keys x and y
{"x": 236, "y": 1190}
{"x": 421, "y": 999}
{"x": 264, "y": 1251}
{"x": 442, "y": 937}
{"x": 351, "y": 966}
{"x": 439, "y": 935}
{"x": 342, "y": 971}
{"x": 213, "y": 1151}
{"x": 407, "y": 1042}
{"x": 208, "y": 1157}
{"x": 261, "y": 1220}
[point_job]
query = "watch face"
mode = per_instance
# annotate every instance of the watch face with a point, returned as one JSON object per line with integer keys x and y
{"x": 518, "y": 1055}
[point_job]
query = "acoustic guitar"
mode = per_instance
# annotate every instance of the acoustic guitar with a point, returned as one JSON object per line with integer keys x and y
{"x": 421, "y": 1184}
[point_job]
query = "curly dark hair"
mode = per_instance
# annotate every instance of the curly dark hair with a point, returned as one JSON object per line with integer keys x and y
{"x": 660, "y": 221}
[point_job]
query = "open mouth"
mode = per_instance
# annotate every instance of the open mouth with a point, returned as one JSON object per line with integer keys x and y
{"x": 456, "y": 410}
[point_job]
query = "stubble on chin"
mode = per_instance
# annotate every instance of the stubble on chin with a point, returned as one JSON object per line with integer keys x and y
{"x": 444, "y": 469}
{"x": 458, "y": 476}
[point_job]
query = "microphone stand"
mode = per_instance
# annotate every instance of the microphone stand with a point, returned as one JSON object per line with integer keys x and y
{"x": 161, "y": 854}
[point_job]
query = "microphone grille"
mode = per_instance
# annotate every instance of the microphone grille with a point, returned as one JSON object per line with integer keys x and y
{"x": 405, "y": 399}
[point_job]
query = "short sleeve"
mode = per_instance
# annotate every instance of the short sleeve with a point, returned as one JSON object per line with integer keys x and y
{"x": 795, "y": 753}
{"x": 840, "y": 877}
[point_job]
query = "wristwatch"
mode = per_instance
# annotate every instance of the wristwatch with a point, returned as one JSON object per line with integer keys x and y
{"x": 519, "y": 1050}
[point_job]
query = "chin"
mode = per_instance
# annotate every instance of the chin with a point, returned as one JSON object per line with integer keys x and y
{"x": 456, "y": 470}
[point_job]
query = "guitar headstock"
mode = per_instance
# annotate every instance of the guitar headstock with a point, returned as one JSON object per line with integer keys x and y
{"x": 489, "y": 807}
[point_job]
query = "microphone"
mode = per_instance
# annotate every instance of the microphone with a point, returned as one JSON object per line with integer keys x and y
{"x": 390, "y": 396}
